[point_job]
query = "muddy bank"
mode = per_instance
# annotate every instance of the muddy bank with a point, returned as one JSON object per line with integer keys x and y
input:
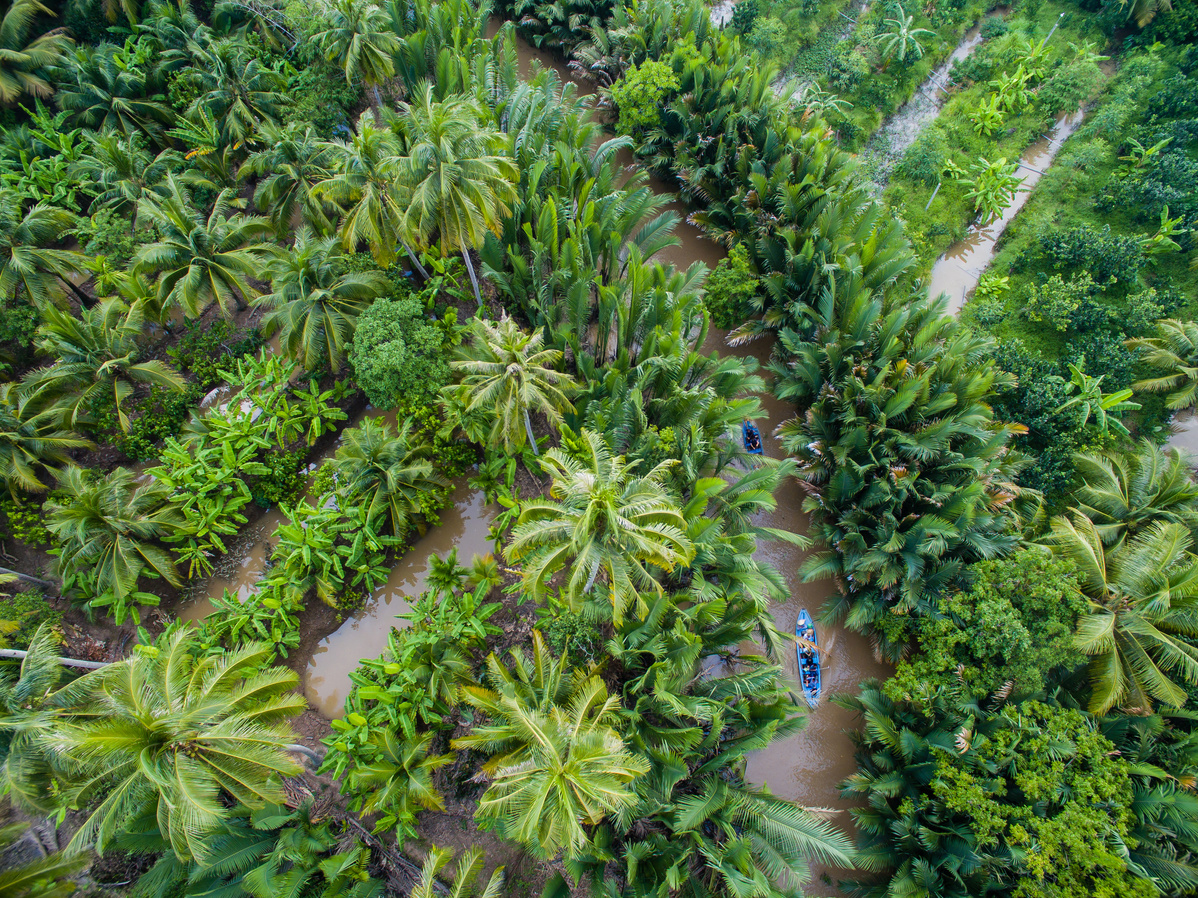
{"x": 957, "y": 272}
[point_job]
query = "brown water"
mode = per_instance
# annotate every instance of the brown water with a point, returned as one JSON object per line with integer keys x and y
{"x": 807, "y": 767}
{"x": 532, "y": 60}
{"x": 957, "y": 272}
{"x": 1184, "y": 434}
{"x": 466, "y": 526}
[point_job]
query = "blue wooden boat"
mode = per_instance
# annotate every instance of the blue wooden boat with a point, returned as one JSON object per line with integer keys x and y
{"x": 752, "y": 438}
{"x": 809, "y": 675}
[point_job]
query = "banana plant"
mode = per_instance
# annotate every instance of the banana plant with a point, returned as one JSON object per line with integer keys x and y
{"x": 1092, "y": 402}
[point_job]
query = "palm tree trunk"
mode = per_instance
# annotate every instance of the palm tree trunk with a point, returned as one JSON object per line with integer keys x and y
{"x": 478, "y": 297}
{"x": 532, "y": 440}
{"x": 415, "y": 260}
{"x": 86, "y": 301}
{"x": 19, "y": 655}
{"x": 26, "y": 577}
{"x": 591, "y": 580}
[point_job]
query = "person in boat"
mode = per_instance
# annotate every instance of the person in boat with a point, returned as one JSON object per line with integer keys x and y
{"x": 754, "y": 440}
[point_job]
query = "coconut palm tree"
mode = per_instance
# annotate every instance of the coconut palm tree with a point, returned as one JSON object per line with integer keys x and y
{"x": 363, "y": 186}
{"x": 901, "y": 37}
{"x": 28, "y": 266}
{"x": 453, "y": 181}
{"x": 169, "y": 732}
{"x": 315, "y": 301}
{"x": 289, "y": 167}
{"x": 23, "y": 63}
{"x": 608, "y": 524}
{"x": 30, "y": 440}
{"x": 30, "y": 703}
{"x": 1124, "y": 492}
{"x": 119, "y": 171}
{"x": 110, "y": 531}
{"x": 1173, "y": 352}
{"x": 465, "y": 876}
{"x": 507, "y": 374}
{"x": 385, "y": 472}
{"x": 359, "y": 37}
{"x": 1143, "y": 595}
{"x": 237, "y": 90}
{"x": 101, "y": 91}
{"x": 203, "y": 259}
{"x": 556, "y": 761}
{"x": 96, "y": 359}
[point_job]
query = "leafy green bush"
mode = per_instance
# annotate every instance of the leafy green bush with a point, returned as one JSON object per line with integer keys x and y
{"x": 21, "y": 613}
{"x": 398, "y": 355}
{"x": 19, "y": 322}
{"x": 108, "y": 233}
{"x": 1013, "y": 623}
{"x": 1055, "y": 301}
{"x": 283, "y": 481}
{"x": 23, "y": 519}
{"x": 994, "y": 26}
{"x": 203, "y": 352}
{"x": 744, "y": 14}
{"x": 641, "y": 93}
{"x": 160, "y": 415}
{"x": 320, "y": 94}
{"x": 1100, "y": 254}
{"x": 730, "y": 289}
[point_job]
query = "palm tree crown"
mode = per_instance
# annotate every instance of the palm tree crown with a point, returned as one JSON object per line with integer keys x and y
{"x": 610, "y": 526}
{"x": 1143, "y": 595}
{"x": 96, "y": 359}
{"x": 1125, "y": 492}
{"x": 27, "y": 266}
{"x": 1174, "y": 352}
{"x": 359, "y": 36}
{"x": 203, "y": 259}
{"x": 22, "y": 65}
{"x": 166, "y": 732}
{"x": 557, "y": 763}
{"x": 453, "y": 182}
{"x": 315, "y": 302}
{"x": 110, "y": 531}
{"x": 385, "y": 472}
{"x": 30, "y": 440}
{"x": 509, "y": 374}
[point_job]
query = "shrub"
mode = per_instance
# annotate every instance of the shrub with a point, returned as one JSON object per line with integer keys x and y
{"x": 641, "y": 93}
{"x": 1100, "y": 254}
{"x": 21, "y": 614}
{"x": 1055, "y": 301}
{"x": 1069, "y": 86}
{"x": 18, "y": 326}
{"x": 994, "y": 26}
{"x": 744, "y": 14}
{"x": 108, "y": 233}
{"x": 767, "y": 36}
{"x": 202, "y": 353}
{"x": 284, "y": 481}
{"x": 730, "y": 289}
{"x": 320, "y": 95}
{"x": 398, "y": 355}
{"x": 160, "y": 415}
{"x": 23, "y": 519}
{"x": 1013, "y": 623}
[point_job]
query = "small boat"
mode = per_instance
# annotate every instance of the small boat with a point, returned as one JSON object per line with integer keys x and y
{"x": 809, "y": 676}
{"x": 752, "y": 438}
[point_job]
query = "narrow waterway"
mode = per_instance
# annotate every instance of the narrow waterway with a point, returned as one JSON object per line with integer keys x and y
{"x": 465, "y": 525}
{"x": 902, "y": 129}
{"x": 807, "y": 767}
{"x": 957, "y": 272}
